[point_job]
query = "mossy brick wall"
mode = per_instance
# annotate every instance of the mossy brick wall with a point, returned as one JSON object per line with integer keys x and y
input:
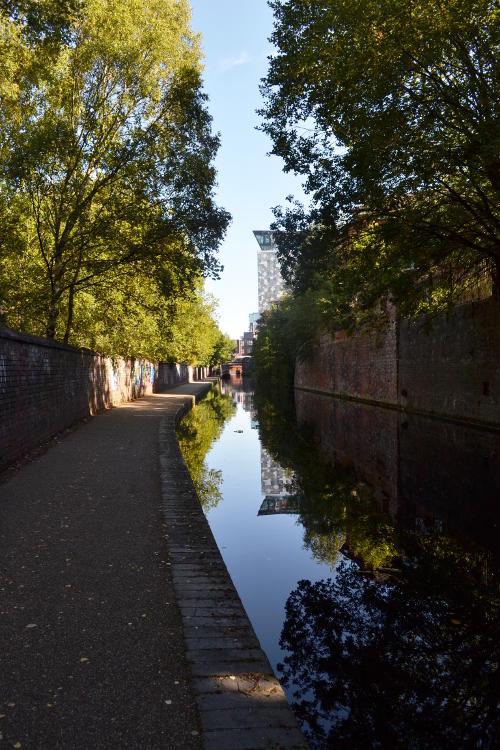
{"x": 447, "y": 366}
{"x": 363, "y": 365}
{"x": 45, "y": 387}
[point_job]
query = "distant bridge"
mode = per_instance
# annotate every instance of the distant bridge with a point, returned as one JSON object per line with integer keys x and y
{"x": 237, "y": 367}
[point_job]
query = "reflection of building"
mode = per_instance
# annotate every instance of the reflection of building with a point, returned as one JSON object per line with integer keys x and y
{"x": 237, "y": 389}
{"x": 275, "y": 484}
{"x": 244, "y": 398}
{"x": 270, "y": 282}
{"x": 273, "y": 477}
{"x": 272, "y": 505}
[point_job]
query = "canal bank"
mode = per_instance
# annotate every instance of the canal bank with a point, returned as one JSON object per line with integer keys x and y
{"x": 241, "y": 703}
{"x": 91, "y": 635}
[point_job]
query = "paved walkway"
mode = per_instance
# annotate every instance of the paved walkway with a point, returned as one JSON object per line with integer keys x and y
{"x": 91, "y": 646}
{"x": 95, "y": 554}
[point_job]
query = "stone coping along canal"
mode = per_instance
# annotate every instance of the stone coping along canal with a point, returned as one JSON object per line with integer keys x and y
{"x": 241, "y": 703}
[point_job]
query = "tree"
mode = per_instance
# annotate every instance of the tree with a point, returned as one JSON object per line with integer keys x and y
{"x": 109, "y": 163}
{"x": 223, "y": 350}
{"x": 193, "y": 334}
{"x": 390, "y": 112}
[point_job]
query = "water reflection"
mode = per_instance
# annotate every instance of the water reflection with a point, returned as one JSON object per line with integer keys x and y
{"x": 411, "y": 662}
{"x": 372, "y": 550}
{"x": 400, "y": 649}
{"x": 196, "y": 433}
{"x": 427, "y": 474}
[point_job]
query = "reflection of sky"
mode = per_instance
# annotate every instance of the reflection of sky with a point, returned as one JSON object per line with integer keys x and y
{"x": 265, "y": 555}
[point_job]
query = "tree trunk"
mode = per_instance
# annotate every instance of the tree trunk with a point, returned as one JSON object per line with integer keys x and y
{"x": 55, "y": 296}
{"x": 69, "y": 321}
{"x": 50, "y": 330}
{"x": 496, "y": 279}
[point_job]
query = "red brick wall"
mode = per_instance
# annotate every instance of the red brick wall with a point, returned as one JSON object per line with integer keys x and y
{"x": 45, "y": 387}
{"x": 446, "y": 366}
{"x": 362, "y": 365}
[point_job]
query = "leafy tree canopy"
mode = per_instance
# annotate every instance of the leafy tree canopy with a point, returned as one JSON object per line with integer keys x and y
{"x": 106, "y": 172}
{"x": 390, "y": 112}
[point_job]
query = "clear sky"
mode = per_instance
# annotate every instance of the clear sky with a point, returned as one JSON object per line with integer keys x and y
{"x": 235, "y": 43}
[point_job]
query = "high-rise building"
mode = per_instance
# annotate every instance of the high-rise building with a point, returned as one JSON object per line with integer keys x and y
{"x": 253, "y": 322}
{"x": 270, "y": 282}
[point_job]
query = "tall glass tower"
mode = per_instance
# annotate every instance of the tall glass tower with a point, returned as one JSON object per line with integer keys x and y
{"x": 270, "y": 283}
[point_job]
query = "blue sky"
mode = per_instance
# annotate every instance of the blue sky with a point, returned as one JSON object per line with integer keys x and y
{"x": 235, "y": 43}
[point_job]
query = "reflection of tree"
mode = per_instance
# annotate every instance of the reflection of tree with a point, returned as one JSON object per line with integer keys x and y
{"x": 402, "y": 648}
{"x": 395, "y": 664}
{"x": 336, "y": 508}
{"x": 196, "y": 434}
{"x": 325, "y": 547}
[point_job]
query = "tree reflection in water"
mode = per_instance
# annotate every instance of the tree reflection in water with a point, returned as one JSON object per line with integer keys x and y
{"x": 401, "y": 647}
{"x": 401, "y": 660}
{"x": 196, "y": 433}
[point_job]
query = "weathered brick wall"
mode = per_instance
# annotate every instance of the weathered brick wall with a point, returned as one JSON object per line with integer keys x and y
{"x": 45, "y": 387}
{"x": 453, "y": 368}
{"x": 450, "y": 368}
{"x": 362, "y": 365}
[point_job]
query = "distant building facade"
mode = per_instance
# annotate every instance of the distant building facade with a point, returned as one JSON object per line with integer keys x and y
{"x": 244, "y": 344}
{"x": 271, "y": 286}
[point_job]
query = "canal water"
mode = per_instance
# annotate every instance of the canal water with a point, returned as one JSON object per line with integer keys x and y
{"x": 364, "y": 546}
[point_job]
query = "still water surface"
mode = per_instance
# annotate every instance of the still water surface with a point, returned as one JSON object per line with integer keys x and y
{"x": 363, "y": 544}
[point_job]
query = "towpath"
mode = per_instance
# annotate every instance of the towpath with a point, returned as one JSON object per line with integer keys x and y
{"x": 95, "y": 601}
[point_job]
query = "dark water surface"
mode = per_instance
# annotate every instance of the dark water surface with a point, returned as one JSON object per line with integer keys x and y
{"x": 364, "y": 546}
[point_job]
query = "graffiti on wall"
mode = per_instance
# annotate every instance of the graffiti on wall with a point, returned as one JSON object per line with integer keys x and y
{"x": 115, "y": 376}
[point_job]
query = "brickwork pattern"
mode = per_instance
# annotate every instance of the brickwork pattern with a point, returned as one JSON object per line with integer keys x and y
{"x": 452, "y": 368}
{"x": 447, "y": 367}
{"x": 362, "y": 365}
